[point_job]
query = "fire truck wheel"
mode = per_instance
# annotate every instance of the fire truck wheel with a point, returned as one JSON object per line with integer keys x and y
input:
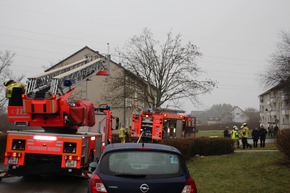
{"x": 91, "y": 157}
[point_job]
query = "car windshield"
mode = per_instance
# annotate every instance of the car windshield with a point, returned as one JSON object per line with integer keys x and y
{"x": 143, "y": 163}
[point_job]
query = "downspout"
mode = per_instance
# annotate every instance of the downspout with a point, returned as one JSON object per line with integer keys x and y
{"x": 124, "y": 98}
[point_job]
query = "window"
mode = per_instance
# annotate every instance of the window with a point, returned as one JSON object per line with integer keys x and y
{"x": 261, "y": 99}
{"x": 158, "y": 164}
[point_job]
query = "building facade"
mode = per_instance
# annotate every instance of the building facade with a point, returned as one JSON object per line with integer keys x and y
{"x": 98, "y": 89}
{"x": 273, "y": 109}
{"x": 238, "y": 115}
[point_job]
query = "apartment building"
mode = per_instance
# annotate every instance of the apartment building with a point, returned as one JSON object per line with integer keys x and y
{"x": 116, "y": 90}
{"x": 273, "y": 108}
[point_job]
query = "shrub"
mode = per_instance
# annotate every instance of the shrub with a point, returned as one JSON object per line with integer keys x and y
{"x": 283, "y": 142}
{"x": 201, "y": 146}
{"x": 182, "y": 144}
{"x": 212, "y": 146}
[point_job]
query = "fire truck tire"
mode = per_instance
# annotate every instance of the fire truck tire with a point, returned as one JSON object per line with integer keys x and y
{"x": 91, "y": 157}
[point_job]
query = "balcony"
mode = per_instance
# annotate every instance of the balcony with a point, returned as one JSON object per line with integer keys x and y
{"x": 273, "y": 113}
{"x": 285, "y": 112}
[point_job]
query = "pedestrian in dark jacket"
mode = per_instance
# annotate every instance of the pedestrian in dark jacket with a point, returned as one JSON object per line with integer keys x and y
{"x": 227, "y": 133}
{"x": 263, "y": 133}
{"x": 255, "y": 136}
{"x": 276, "y": 130}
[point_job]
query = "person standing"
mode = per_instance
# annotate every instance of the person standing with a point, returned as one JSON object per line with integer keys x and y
{"x": 122, "y": 134}
{"x": 227, "y": 132}
{"x": 235, "y": 136}
{"x": 13, "y": 92}
{"x": 129, "y": 133}
{"x": 255, "y": 136}
{"x": 271, "y": 131}
{"x": 263, "y": 134}
{"x": 245, "y": 135}
{"x": 276, "y": 130}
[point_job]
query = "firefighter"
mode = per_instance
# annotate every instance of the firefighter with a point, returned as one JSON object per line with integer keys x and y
{"x": 14, "y": 91}
{"x": 122, "y": 134}
{"x": 245, "y": 135}
{"x": 235, "y": 136}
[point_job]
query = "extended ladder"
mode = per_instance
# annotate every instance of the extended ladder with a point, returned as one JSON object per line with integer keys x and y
{"x": 61, "y": 80}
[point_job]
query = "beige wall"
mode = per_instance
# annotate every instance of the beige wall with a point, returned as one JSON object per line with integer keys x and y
{"x": 272, "y": 107}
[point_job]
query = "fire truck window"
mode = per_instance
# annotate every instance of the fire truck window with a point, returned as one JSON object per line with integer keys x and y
{"x": 18, "y": 144}
{"x": 69, "y": 147}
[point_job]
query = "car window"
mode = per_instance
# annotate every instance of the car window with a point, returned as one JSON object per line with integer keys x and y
{"x": 143, "y": 163}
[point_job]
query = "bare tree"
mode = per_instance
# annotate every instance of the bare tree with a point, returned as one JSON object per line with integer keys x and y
{"x": 165, "y": 77}
{"x": 219, "y": 110}
{"x": 6, "y": 60}
{"x": 278, "y": 72}
{"x": 254, "y": 117}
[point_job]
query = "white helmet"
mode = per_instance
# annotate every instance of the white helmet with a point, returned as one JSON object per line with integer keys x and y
{"x": 6, "y": 81}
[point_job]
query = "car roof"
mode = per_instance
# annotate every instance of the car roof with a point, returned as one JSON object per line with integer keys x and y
{"x": 145, "y": 146}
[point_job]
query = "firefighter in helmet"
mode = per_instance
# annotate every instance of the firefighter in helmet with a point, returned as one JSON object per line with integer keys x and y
{"x": 14, "y": 91}
{"x": 235, "y": 136}
{"x": 245, "y": 135}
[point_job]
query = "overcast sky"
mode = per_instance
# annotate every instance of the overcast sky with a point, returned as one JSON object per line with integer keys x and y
{"x": 236, "y": 37}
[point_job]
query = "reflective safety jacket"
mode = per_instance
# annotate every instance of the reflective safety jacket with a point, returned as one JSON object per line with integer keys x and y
{"x": 10, "y": 87}
{"x": 234, "y": 134}
{"x": 122, "y": 132}
{"x": 245, "y": 132}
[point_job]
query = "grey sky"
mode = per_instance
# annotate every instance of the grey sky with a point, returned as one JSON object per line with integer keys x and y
{"x": 236, "y": 37}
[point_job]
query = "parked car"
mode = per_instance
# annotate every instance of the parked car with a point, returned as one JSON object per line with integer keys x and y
{"x": 141, "y": 167}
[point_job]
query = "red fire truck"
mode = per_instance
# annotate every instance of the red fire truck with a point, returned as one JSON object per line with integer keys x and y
{"x": 157, "y": 125}
{"x": 60, "y": 146}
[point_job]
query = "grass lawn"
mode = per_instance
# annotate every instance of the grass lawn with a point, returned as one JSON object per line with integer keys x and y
{"x": 208, "y": 133}
{"x": 244, "y": 172}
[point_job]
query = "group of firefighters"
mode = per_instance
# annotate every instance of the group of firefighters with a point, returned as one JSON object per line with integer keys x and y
{"x": 244, "y": 134}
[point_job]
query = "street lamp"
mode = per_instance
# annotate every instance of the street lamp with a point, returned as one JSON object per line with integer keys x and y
{"x": 87, "y": 87}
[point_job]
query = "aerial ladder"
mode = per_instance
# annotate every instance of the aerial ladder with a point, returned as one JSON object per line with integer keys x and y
{"x": 45, "y": 100}
{"x": 60, "y": 147}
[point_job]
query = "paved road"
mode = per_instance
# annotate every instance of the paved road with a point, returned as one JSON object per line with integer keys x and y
{"x": 44, "y": 184}
{"x": 254, "y": 150}
{"x": 268, "y": 140}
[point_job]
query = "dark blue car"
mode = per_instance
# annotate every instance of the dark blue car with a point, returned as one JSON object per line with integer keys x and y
{"x": 141, "y": 168}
